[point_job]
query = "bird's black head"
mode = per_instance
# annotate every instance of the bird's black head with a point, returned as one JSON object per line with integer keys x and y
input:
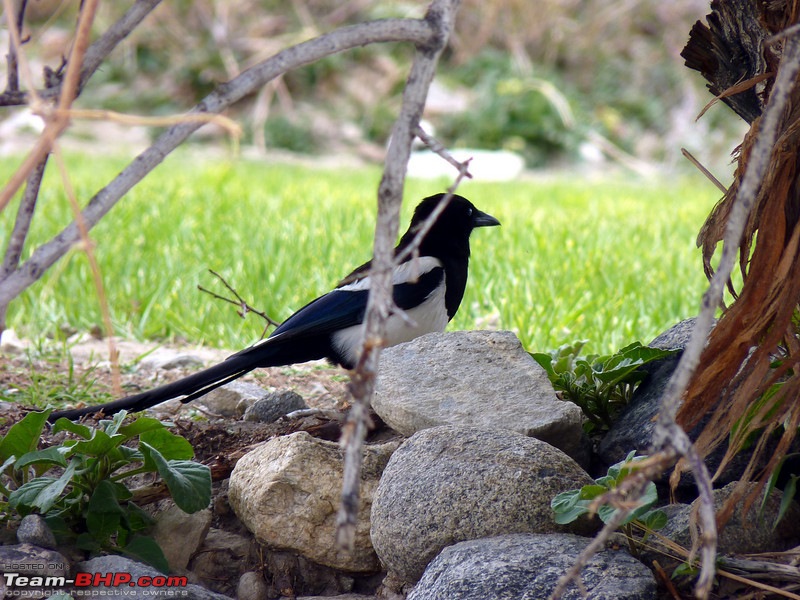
{"x": 449, "y": 234}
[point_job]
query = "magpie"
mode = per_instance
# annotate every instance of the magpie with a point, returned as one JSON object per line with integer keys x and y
{"x": 428, "y": 289}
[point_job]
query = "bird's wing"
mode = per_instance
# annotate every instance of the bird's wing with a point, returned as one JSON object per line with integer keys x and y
{"x": 346, "y": 306}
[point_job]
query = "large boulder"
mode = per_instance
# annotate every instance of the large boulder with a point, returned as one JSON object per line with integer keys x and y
{"x": 449, "y": 484}
{"x": 479, "y": 379}
{"x": 529, "y": 566}
{"x": 287, "y": 492}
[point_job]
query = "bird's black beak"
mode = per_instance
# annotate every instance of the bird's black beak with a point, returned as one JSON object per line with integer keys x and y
{"x": 482, "y": 219}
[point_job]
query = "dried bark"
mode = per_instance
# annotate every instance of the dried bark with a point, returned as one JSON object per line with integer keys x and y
{"x": 749, "y": 39}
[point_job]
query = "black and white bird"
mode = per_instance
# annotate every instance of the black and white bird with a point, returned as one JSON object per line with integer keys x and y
{"x": 428, "y": 289}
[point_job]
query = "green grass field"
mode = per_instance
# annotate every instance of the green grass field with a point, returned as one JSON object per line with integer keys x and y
{"x": 610, "y": 261}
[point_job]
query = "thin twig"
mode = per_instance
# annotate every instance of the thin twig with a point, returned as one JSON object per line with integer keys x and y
{"x": 690, "y": 157}
{"x": 244, "y": 306}
{"x": 437, "y": 147}
{"x": 94, "y": 57}
{"x": 97, "y": 277}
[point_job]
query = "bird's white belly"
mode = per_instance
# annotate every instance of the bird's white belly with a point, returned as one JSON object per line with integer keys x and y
{"x": 428, "y": 317}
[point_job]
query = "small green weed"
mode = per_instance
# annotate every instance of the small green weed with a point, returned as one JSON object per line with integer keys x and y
{"x": 570, "y": 505}
{"x": 78, "y": 485}
{"x": 600, "y": 385}
{"x": 52, "y": 384}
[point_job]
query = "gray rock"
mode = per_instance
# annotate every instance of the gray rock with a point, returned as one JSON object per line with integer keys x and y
{"x": 180, "y": 361}
{"x": 232, "y": 399}
{"x": 743, "y": 534}
{"x": 33, "y": 530}
{"x": 527, "y": 567}
{"x": 27, "y": 560}
{"x": 180, "y": 534}
{"x": 676, "y": 337}
{"x": 121, "y": 565}
{"x": 223, "y": 555}
{"x": 273, "y": 406}
{"x": 449, "y": 484}
{"x": 287, "y": 492}
{"x": 167, "y": 359}
{"x": 633, "y": 429}
{"x": 634, "y": 426}
{"x": 473, "y": 378}
{"x": 251, "y": 586}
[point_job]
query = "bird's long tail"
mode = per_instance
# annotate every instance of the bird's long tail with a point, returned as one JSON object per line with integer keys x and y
{"x": 191, "y": 387}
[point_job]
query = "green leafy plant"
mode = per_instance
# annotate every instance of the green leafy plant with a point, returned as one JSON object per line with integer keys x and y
{"x": 572, "y": 504}
{"x": 78, "y": 485}
{"x": 600, "y": 385}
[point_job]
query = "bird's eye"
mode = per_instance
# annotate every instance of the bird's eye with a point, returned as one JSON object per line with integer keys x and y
{"x": 469, "y": 212}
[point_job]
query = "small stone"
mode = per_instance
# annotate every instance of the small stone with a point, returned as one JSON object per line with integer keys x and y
{"x": 251, "y": 586}
{"x": 10, "y": 343}
{"x": 287, "y": 491}
{"x": 233, "y": 399}
{"x": 34, "y": 530}
{"x": 180, "y": 534}
{"x": 181, "y": 361}
{"x": 273, "y": 406}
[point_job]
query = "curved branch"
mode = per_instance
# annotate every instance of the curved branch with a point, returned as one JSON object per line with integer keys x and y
{"x": 419, "y": 32}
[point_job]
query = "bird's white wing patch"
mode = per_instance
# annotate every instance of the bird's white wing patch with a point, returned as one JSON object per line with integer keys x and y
{"x": 404, "y": 273}
{"x": 428, "y": 317}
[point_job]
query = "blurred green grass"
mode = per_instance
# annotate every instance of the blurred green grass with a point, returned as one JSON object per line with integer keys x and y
{"x": 610, "y": 260}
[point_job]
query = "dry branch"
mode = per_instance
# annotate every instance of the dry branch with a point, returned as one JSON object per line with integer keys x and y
{"x": 418, "y": 31}
{"x": 440, "y": 17}
{"x": 668, "y": 435}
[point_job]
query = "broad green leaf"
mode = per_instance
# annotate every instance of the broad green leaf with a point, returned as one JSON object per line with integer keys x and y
{"x": 654, "y": 519}
{"x": 42, "y": 492}
{"x": 100, "y": 444}
{"x": 85, "y": 541}
{"x": 188, "y": 482}
{"x": 169, "y": 445}
{"x": 545, "y": 361}
{"x": 23, "y": 437}
{"x": 146, "y": 550}
{"x": 54, "y": 455}
{"x": 64, "y": 424}
{"x": 136, "y": 519}
{"x": 565, "y": 500}
{"x": 139, "y": 426}
{"x": 590, "y": 492}
{"x": 568, "y": 506}
{"x": 103, "y": 513}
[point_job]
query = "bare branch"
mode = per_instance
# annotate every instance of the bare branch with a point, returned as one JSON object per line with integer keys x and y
{"x": 420, "y": 32}
{"x": 12, "y": 80}
{"x": 437, "y": 147}
{"x": 668, "y": 435}
{"x": 244, "y": 307}
{"x": 440, "y": 17}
